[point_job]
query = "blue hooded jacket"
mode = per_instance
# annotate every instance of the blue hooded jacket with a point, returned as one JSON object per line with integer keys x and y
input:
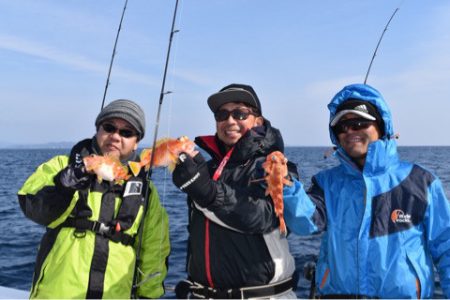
{"x": 383, "y": 226}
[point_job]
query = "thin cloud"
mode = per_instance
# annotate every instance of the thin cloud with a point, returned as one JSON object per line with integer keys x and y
{"x": 79, "y": 62}
{"x": 192, "y": 76}
{"x": 82, "y": 63}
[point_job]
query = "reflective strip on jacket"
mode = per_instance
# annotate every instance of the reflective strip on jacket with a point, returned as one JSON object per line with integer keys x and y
{"x": 66, "y": 259}
{"x": 383, "y": 226}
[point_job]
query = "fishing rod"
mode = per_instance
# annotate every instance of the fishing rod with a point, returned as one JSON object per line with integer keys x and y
{"x": 113, "y": 54}
{"x": 163, "y": 92}
{"x": 149, "y": 174}
{"x": 379, "y": 42}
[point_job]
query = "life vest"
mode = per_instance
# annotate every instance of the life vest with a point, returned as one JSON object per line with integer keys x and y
{"x": 132, "y": 193}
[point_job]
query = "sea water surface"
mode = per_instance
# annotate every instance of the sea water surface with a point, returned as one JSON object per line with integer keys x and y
{"x": 21, "y": 237}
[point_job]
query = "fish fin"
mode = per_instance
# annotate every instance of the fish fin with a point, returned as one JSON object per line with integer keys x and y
{"x": 161, "y": 141}
{"x": 145, "y": 152}
{"x": 135, "y": 167}
{"x": 146, "y": 156}
{"x": 110, "y": 158}
{"x": 257, "y": 180}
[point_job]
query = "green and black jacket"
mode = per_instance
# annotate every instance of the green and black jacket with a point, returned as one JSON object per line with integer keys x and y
{"x": 85, "y": 263}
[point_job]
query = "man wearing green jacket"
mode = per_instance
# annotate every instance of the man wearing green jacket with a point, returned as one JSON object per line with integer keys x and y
{"x": 89, "y": 248}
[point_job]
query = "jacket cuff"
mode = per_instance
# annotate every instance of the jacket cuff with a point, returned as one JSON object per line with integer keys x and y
{"x": 208, "y": 198}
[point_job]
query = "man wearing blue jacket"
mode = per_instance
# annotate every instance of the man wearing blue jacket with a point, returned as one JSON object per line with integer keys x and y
{"x": 385, "y": 222}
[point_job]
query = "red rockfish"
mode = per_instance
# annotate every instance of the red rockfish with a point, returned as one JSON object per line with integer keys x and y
{"x": 106, "y": 167}
{"x": 166, "y": 154}
{"x": 276, "y": 170}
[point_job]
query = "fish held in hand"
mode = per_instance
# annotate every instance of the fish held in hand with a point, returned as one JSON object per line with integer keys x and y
{"x": 276, "y": 170}
{"x": 106, "y": 167}
{"x": 166, "y": 154}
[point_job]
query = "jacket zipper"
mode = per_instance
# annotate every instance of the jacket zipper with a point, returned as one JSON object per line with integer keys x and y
{"x": 360, "y": 224}
{"x": 207, "y": 257}
{"x": 216, "y": 176}
{"x": 357, "y": 240}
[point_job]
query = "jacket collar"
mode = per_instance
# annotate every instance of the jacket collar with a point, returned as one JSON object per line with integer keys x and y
{"x": 381, "y": 156}
{"x": 259, "y": 140}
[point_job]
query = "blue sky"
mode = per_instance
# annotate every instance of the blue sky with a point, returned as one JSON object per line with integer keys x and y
{"x": 54, "y": 58}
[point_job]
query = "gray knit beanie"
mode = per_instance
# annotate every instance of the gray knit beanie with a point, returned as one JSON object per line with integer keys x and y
{"x": 126, "y": 110}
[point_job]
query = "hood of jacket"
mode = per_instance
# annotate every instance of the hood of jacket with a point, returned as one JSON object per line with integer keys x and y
{"x": 258, "y": 141}
{"x": 382, "y": 153}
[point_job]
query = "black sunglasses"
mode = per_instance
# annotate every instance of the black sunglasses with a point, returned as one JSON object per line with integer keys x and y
{"x": 354, "y": 124}
{"x": 110, "y": 128}
{"x": 237, "y": 114}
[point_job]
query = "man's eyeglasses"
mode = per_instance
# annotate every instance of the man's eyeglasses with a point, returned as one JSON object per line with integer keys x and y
{"x": 354, "y": 124}
{"x": 239, "y": 114}
{"x": 110, "y": 128}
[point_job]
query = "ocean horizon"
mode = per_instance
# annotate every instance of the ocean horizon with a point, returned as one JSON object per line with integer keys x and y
{"x": 19, "y": 250}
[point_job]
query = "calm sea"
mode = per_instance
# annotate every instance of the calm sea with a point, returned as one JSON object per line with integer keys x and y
{"x": 21, "y": 237}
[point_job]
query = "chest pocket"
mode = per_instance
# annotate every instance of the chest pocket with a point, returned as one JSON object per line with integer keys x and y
{"x": 402, "y": 207}
{"x": 132, "y": 200}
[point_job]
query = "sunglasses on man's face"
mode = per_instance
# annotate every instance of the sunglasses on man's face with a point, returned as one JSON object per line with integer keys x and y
{"x": 126, "y": 133}
{"x": 354, "y": 124}
{"x": 238, "y": 114}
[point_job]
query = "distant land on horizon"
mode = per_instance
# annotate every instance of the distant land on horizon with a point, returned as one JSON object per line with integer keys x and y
{"x": 52, "y": 145}
{"x": 69, "y": 145}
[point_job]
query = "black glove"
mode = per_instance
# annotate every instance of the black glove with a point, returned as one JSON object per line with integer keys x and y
{"x": 74, "y": 175}
{"x": 191, "y": 175}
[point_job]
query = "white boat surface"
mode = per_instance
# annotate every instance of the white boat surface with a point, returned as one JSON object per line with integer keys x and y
{"x": 12, "y": 293}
